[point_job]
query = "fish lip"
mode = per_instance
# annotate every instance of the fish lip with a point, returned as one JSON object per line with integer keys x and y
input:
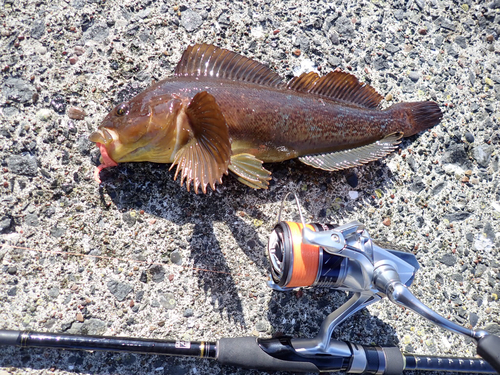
{"x": 102, "y": 136}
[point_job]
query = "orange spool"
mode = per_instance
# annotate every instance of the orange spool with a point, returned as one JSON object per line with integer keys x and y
{"x": 305, "y": 258}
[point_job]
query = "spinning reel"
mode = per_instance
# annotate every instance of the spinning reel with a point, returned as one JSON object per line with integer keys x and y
{"x": 346, "y": 258}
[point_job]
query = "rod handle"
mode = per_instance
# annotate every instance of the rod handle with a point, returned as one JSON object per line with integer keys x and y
{"x": 10, "y": 338}
{"x": 488, "y": 347}
{"x": 245, "y": 352}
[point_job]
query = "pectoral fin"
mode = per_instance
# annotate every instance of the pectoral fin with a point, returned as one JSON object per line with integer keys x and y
{"x": 338, "y": 160}
{"x": 205, "y": 157}
{"x": 248, "y": 170}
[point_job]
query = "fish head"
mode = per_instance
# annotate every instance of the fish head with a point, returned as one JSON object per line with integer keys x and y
{"x": 142, "y": 129}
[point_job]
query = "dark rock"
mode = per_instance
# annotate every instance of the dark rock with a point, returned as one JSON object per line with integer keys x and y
{"x": 12, "y": 270}
{"x": 482, "y": 155}
{"x": 344, "y": 27}
{"x": 457, "y": 216}
{"x": 414, "y": 76}
{"x": 352, "y": 179}
{"x": 380, "y": 63}
{"x": 5, "y": 223}
{"x": 144, "y": 277}
{"x": 461, "y": 41}
{"x": 31, "y": 220}
{"x": 157, "y": 273}
{"x": 24, "y": 165}
{"x": 57, "y": 232}
{"x": 489, "y": 232}
{"x": 175, "y": 257}
{"x": 457, "y": 277}
{"x": 58, "y": 103}
{"x": 469, "y": 237}
{"x": 456, "y": 154}
{"x": 469, "y": 137}
{"x": 12, "y": 291}
{"x": 139, "y": 296}
{"x": 473, "y": 319}
{"x": 438, "y": 188}
{"x": 191, "y": 20}
{"x": 392, "y": 48}
{"x": 37, "y": 29}
{"x": 18, "y": 90}
{"x": 119, "y": 290}
{"x": 418, "y": 185}
{"x": 448, "y": 259}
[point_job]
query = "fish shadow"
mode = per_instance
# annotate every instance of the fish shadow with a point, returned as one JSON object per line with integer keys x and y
{"x": 150, "y": 188}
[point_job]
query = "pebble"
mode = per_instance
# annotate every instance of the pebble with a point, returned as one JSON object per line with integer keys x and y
{"x": 37, "y": 28}
{"x": 76, "y": 113}
{"x": 353, "y": 194}
{"x": 414, "y": 76}
{"x": 175, "y": 257}
{"x": 352, "y": 179}
{"x": 97, "y": 33}
{"x": 6, "y": 223}
{"x": 119, "y": 289}
{"x": 31, "y": 220}
{"x": 23, "y": 165}
{"x": 469, "y": 137}
{"x": 387, "y": 221}
{"x": 58, "y": 104}
{"x": 44, "y": 114}
{"x": 448, "y": 259}
{"x": 191, "y": 20}
{"x": 168, "y": 301}
{"x": 157, "y": 273}
{"x": 188, "y": 313}
{"x": 482, "y": 155}
{"x": 18, "y": 90}
{"x": 12, "y": 270}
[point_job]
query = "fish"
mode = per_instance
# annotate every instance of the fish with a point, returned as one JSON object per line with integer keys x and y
{"x": 223, "y": 113}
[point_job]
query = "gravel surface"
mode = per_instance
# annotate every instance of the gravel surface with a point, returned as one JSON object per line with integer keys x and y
{"x": 140, "y": 256}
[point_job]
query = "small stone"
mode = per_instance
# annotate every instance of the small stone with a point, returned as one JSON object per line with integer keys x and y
{"x": 58, "y": 104}
{"x": 482, "y": 155}
{"x": 389, "y": 97}
{"x": 129, "y": 218}
{"x": 352, "y": 179}
{"x": 73, "y": 60}
{"x": 44, "y": 114}
{"x": 473, "y": 319}
{"x": 23, "y": 165}
{"x": 191, "y": 20}
{"x": 31, "y": 220}
{"x": 296, "y": 52}
{"x": 12, "y": 291}
{"x": 457, "y": 216}
{"x": 97, "y": 33}
{"x": 414, "y": 76}
{"x": 119, "y": 290}
{"x": 79, "y": 316}
{"x": 37, "y": 29}
{"x": 469, "y": 137}
{"x": 18, "y": 90}
{"x": 5, "y": 224}
{"x": 387, "y": 221}
{"x": 57, "y": 232}
{"x": 79, "y": 50}
{"x": 12, "y": 270}
{"x": 188, "y": 313}
{"x": 175, "y": 257}
{"x": 261, "y": 327}
{"x": 157, "y": 273}
{"x": 168, "y": 301}
{"x": 353, "y": 195}
{"x": 448, "y": 259}
{"x": 76, "y": 113}
{"x": 461, "y": 41}
{"x": 83, "y": 145}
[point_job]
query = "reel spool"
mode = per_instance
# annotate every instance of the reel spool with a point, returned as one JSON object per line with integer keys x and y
{"x": 296, "y": 264}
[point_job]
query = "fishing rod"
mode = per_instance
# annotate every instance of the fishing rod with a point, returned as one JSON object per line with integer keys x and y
{"x": 340, "y": 257}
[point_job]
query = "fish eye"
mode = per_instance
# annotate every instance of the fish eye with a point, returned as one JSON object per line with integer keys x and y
{"x": 122, "y": 109}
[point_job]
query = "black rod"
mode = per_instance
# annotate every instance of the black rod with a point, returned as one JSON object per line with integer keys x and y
{"x": 436, "y": 363}
{"x": 108, "y": 343}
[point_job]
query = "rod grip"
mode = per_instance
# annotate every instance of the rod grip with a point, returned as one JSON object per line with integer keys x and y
{"x": 488, "y": 347}
{"x": 10, "y": 338}
{"x": 245, "y": 352}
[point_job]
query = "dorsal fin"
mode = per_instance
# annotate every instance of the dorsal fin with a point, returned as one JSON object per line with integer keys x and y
{"x": 337, "y": 85}
{"x": 205, "y": 60}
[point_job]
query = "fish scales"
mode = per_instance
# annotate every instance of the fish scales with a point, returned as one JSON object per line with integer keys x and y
{"x": 209, "y": 126}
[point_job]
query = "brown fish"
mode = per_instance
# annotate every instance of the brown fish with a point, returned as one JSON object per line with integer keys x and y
{"x": 222, "y": 112}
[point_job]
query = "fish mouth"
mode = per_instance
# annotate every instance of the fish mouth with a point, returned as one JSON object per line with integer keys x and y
{"x": 101, "y": 136}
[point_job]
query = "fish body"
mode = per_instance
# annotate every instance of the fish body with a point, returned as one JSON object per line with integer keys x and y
{"x": 222, "y": 112}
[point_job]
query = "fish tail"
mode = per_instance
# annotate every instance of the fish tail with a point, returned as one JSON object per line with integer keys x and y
{"x": 418, "y": 116}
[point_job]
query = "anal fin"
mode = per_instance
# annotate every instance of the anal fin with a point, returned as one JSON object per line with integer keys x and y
{"x": 249, "y": 171}
{"x": 334, "y": 161}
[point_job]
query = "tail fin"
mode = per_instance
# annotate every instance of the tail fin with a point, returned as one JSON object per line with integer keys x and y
{"x": 419, "y": 116}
